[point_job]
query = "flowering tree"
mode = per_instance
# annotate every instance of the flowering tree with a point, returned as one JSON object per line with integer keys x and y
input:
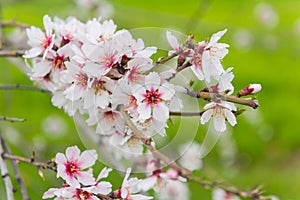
{"x": 109, "y": 82}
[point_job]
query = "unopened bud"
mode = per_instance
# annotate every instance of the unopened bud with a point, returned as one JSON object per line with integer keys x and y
{"x": 250, "y": 89}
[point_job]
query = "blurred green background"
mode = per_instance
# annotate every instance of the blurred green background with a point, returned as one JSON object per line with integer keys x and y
{"x": 264, "y": 38}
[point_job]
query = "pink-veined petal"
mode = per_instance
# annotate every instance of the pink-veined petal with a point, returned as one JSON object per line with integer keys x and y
{"x": 86, "y": 178}
{"x": 72, "y": 153}
{"x": 87, "y": 158}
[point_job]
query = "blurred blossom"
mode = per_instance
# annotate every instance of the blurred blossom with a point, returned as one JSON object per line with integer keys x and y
{"x": 12, "y": 135}
{"x": 98, "y": 7}
{"x": 243, "y": 39}
{"x": 228, "y": 149}
{"x": 174, "y": 190}
{"x": 219, "y": 194}
{"x": 191, "y": 156}
{"x": 266, "y": 15}
{"x": 54, "y": 126}
{"x": 17, "y": 38}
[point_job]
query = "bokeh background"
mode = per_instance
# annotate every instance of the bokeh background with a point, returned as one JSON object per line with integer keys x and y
{"x": 264, "y": 37}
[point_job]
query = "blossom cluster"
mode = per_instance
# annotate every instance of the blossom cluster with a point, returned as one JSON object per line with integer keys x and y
{"x": 75, "y": 169}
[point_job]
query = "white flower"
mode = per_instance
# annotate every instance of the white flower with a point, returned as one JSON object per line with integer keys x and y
{"x": 39, "y": 41}
{"x": 219, "y": 111}
{"x": 174, "y": 190}
{"x": 224, "y": 81}
{"x": 172, "y": 41}
{"x": 190, "y": 158}
{"x": 130, "y": 187}
{"x": 153, "y": 98}
{"x": 70, "y": 166}
{"x": 213, "y": 53}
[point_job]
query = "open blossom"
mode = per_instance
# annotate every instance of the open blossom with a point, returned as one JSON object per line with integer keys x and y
{"x": 41, "y": 42}
{"x": 219, "y": 111}
{"x": 190, "y": 158}
{"x": 153, "y": 98}
{"x": 130, "y": 187}
{"x": 174, "y": 190}
{"x": 71, "y": 166}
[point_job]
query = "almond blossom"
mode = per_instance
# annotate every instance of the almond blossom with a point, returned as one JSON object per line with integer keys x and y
{"x": 71, "y": 166}
{"x": 40, "y": 42}
{"x": 153, "y": 98}
{"x": 219, "y": 111}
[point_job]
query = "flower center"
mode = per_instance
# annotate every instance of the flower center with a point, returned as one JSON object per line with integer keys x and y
{"x": 81, "y": 79}
{"x": 71, "y": 168}
{"x": 152, "y": 96}
{"x": 46, "y": 43}
{"x": 58, "y": 62}
{"x": 82, "y": 195}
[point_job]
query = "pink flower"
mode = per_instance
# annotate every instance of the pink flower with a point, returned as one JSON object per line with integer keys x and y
{"x": 153, "y": 98}
{"x": 71, "y": 166}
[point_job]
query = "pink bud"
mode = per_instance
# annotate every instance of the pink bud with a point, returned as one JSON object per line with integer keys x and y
{"x": 172, "y": 174}
{"x": 254, "y": 88}
{"x": 250, "y": 89}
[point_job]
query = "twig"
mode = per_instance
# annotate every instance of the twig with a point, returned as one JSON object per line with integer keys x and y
{"x": 164, "y": 60}
{"x": 15, "y": 169}
{"x": 5, "y": 175}
{"x": 186, "y": 114}
{"x": 22, "y": 87}
{"x": 254, "y": 194}
{"x": 39, "y": 165}
{"x": 13, "y": 23}
{"x": 11, "y": 119}
{"x": 12, "y": 53}
{"x": 147, "y": 142}
{"x": 212, "y": 96}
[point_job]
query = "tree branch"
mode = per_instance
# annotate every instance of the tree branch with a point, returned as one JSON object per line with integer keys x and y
{"x": 212, "y": 96}
{"x": 13, "y": 23}
{"x": 11, "y": 119}
{"x": 22, "y": 87}
{"x": 12, "y": 53}
{"x": 16, "y": 170}
{"x": 5, "y": 175}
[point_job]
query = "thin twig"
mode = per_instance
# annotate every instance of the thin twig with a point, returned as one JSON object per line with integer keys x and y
{"x": 147, "y": 142}
{"x": 12, "y": 53}
{"x": 186, "y": 114}
{"x": 13, "y": 23}
{"x": 15, "y": 169}
{"x": 211, "y": 96}
{"x": 11, "y": 119}
{"x": 22, "y": 87}
{"x": 40, "y": 165}
{"x": 5, "y": 175}
{"x": 163, "y": 60}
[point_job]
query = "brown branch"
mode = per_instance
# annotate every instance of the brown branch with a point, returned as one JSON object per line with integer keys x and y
{"x": 40, "y": 165}
{"x": 212, "y": 96}
{"x": 16, "y": 170}
{"x": 13, "y": 23}
{"x": 22, "y": 87}
{"x": 164, "y": 60}
{"x": 11, "y": 119}
{"x": 12, "y": 53}
{"x": 254, "y": 194}
{"x": 186, "y": 114}
{"x": 5, "y": 175}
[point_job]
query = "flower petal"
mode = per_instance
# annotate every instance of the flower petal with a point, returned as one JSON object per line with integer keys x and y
{"x": 230, "y": 117}
{"x": 144, "y": 111}
{"x": 161, "y": 112}
{"x": 87, "y": 159}
{"x": 86, "y": 178}
{"x": 206, "y": 116}
{"x": 72, "y": 153}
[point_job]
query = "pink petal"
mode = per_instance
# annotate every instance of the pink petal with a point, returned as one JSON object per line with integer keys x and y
{"x": 104, "y": 173}
{"x": 103, "y": 188}
{"x": 49, "y": 193}
{"x": 72, "y": 153}
{"x": 86, "y": 178}
{"x": 87, "y": 159}
{"x": 72, "y": 181}
{"x": 60, "y": 159}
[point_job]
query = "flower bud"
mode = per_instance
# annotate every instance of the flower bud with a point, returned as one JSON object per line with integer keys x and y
{"x": 250, "y": 89}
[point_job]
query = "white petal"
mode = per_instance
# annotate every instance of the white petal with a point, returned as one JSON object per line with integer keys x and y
{"x": 215, "y": 38}
{"x": 60, "y": 159}
{"x": 161, "y": 112}
{"x": 144, "y": 111}
{"x": 104, "y": 173}
{"x": 103, "y": 188}
{"x": 219, "y": 123}
{"x": 86, "y": 178}
{"x": 206, "y": 116}
{"x": 138, "y": 92}
{"x": 172, "y": 40}
{"x": 198, "y": 72}
{"x": 34, "y": 52}
{"x": 152, "y": 80}
{"x": 167, "y": 91}
{"x": 148, "y": 183}
{"x": 230, "y": 117}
